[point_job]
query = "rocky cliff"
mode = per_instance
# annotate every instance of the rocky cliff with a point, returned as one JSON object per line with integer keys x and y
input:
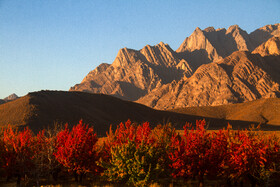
{"x": 211, "y": 67}
{"x": 135, "y": 73}
{"x": 271, "y": 47}
{"x": 239, "y": 77}
{"x": 262, "y": 34}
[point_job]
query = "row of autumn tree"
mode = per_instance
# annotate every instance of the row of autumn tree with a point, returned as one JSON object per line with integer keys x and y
{"x": 138, "y": 155}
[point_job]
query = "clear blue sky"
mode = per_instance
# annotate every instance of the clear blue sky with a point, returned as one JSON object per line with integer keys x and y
{"x": 53, "y": 44}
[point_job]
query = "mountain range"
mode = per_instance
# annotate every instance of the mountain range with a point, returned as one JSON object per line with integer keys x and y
{"x": 211, "y": 67}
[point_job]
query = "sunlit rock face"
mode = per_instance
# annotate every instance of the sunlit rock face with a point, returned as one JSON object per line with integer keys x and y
{"x": 211, "y": 67}
{"x": 239, "y": 77}
{"x": 271, "y": 47}
{"x": 135, "y": 73}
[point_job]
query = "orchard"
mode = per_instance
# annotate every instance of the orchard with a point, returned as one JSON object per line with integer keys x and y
{"x": 139, "y": 155}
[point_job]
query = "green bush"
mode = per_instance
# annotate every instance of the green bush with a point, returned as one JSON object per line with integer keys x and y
{"x": 136, "y": 164}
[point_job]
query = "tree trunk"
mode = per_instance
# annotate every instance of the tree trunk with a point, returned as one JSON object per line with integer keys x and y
{"x": 18, "y": 179}
{"x": 201, "y": 180}
{"x": 76, "y": 177}
{"x": 8, "y": 178}
{"x": 81, "y": 177}
{"x": 229, "y": 182}
{"x": 55, "y": 173}
{"x": 241, "y": 183}
{"x": 253, "y": 180}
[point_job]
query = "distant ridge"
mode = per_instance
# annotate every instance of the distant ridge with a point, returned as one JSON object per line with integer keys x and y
{"x": 9, "y": 98}
{"x": 203, "y": 71}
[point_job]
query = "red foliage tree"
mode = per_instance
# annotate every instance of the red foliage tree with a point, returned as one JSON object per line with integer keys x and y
{"x": 273, "y": 153}
{"x": 125, "y": 133}
{"x": 19, "y": 152}
{"x": 76, "y": 149}
{"x": 198, "y": 153}
{"x": 248, "y": 156}
{"x": 2, "y": 149}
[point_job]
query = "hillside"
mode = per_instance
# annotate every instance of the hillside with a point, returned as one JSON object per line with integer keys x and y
{"x": 262, "y": 111}
{"x": 41, "y": 109}
{"x": 201, "y": 68}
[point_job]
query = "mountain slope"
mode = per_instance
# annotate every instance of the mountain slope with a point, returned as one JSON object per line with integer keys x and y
{"x": 262, "y": 34}
{"x": 270, "y": 47}
{"x": 41, "y": 109}
{"x": 240, "y": 77}
{"x": 262, "y": 111}
{"x": 2, "y": 101}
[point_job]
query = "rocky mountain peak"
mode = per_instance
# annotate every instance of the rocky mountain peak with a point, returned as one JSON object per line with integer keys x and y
{"x": 161, "y": 44}
{"x": 262, "y": 34}
{"x": 11, "y": 97}
{"x": 125, "y": 57}
{"x": 233, "y": 28}
{"x": 98, "y": 70}
{"x": 209, "y": 29}
{"x": 270, "y": 28}
{"x": 221, "y": 29}
{"x": 197, "y": 29}
{"x": 211, "y": 45}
